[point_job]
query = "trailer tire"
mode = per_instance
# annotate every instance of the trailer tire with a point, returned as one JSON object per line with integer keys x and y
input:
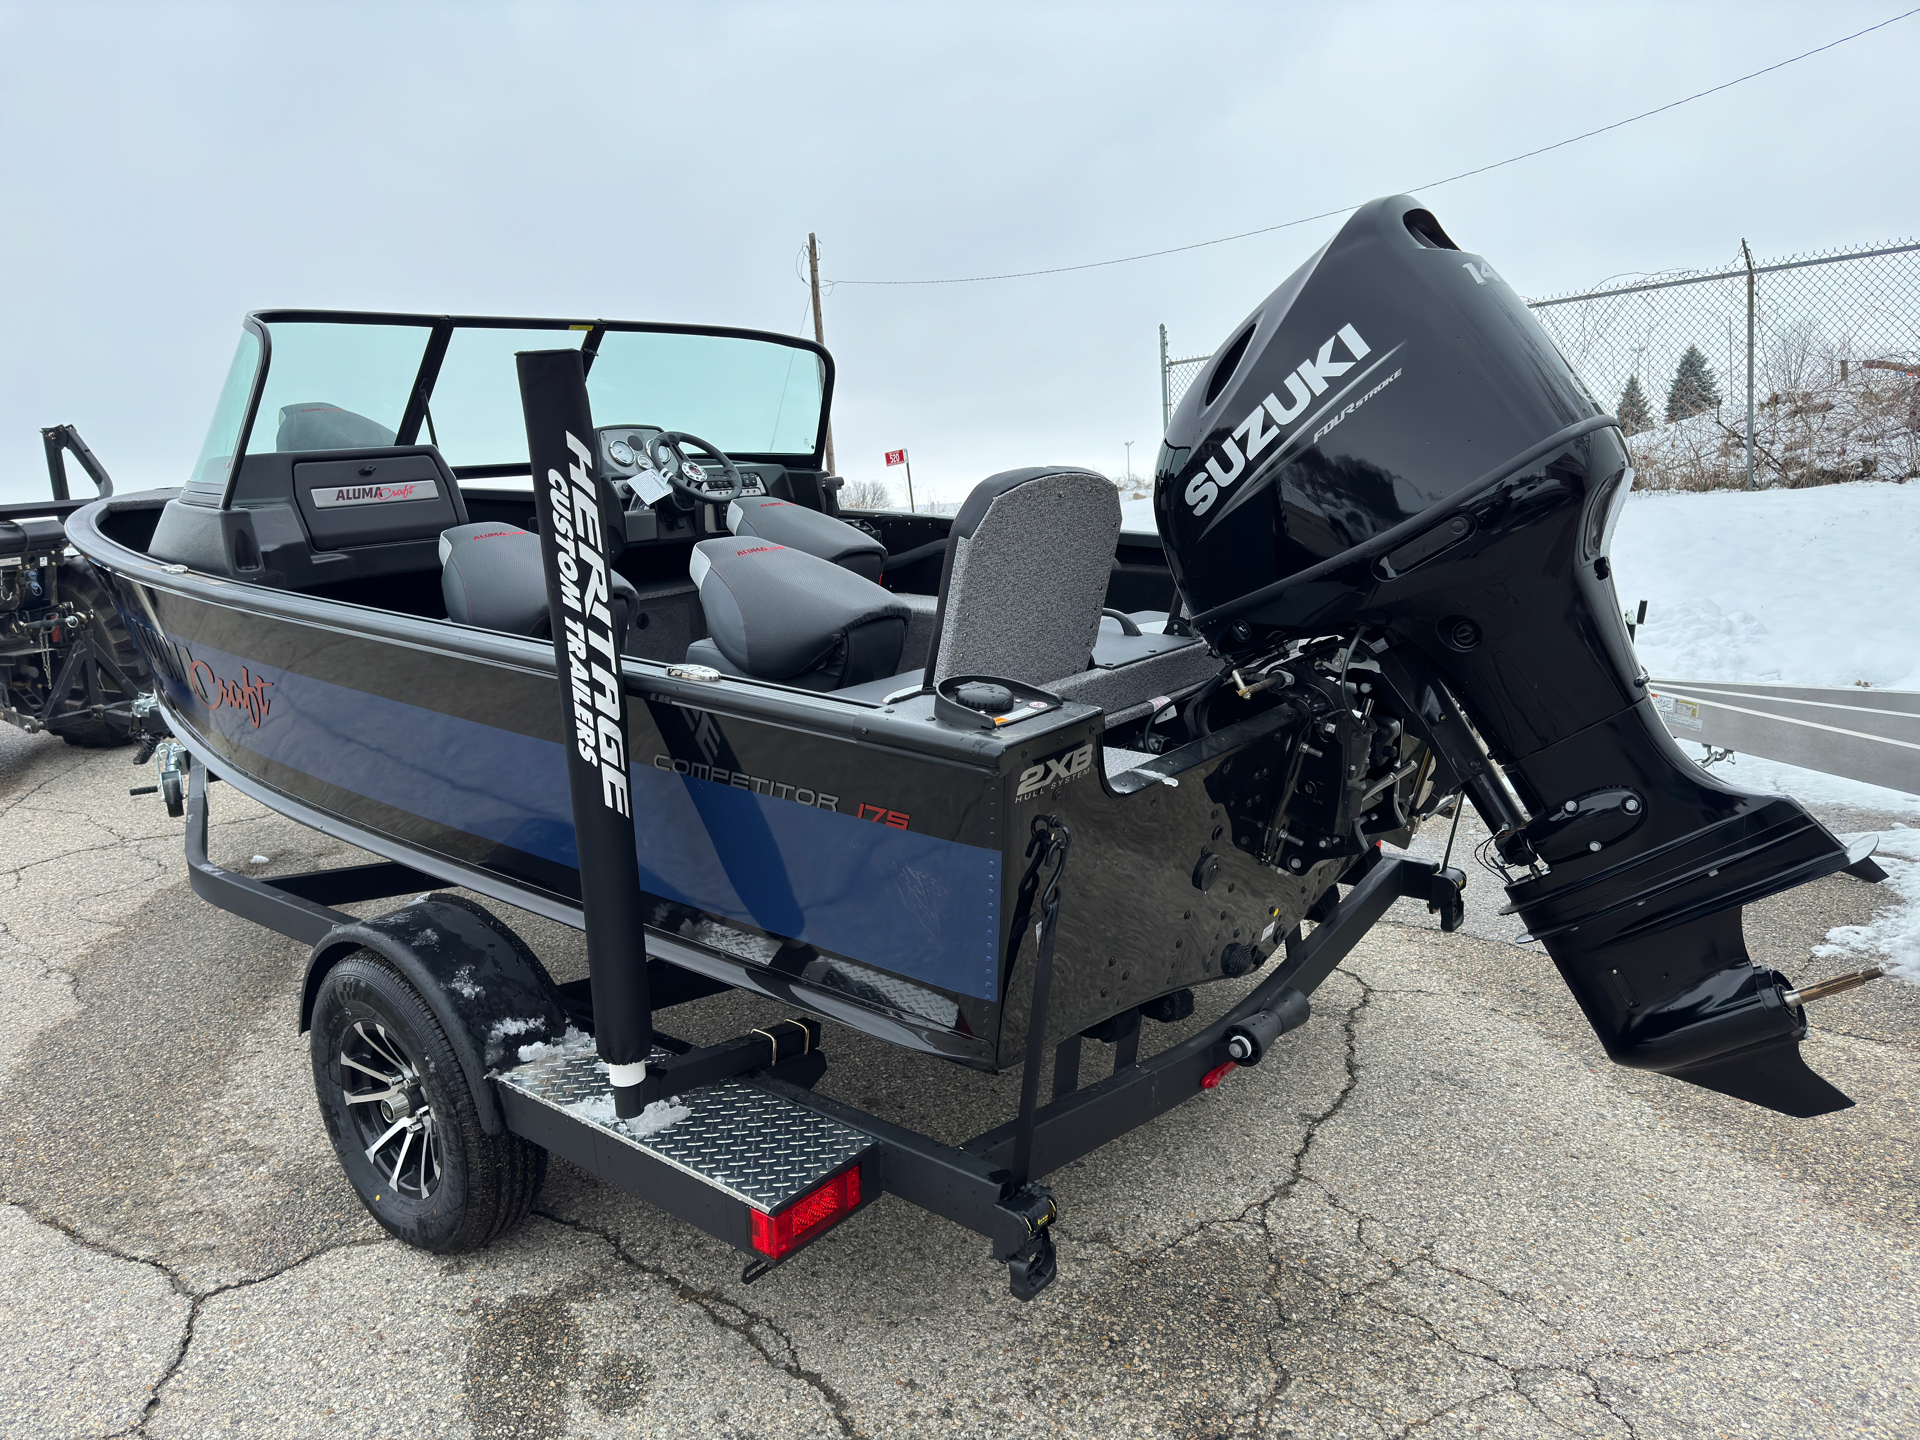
{"x": 439, "y": 1182}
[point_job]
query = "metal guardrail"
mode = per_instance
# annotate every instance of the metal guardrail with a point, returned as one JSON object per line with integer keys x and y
{"x": 1867, "y": 735}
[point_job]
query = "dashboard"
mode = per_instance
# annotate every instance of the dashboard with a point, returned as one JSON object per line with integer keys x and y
{"x": 653, "y": 517}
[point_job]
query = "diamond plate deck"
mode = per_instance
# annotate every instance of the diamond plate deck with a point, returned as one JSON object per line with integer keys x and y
{"x": 741, "y": 1139}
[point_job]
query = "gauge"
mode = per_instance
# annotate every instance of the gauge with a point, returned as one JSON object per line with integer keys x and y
{"x": 621, "y": 452}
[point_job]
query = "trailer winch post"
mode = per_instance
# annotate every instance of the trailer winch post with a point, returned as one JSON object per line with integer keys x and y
{"x": 574, "y": 525}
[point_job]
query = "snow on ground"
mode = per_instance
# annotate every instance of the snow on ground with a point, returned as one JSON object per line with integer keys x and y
{"x": 1802, "y": 587}
{"x": 1891, "y": 938}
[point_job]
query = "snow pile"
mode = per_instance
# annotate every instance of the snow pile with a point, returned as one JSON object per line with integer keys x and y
{"x": 571, "y": 1043}
{"x": 1891, "y": 938}
{"x": 508, "y": 1028}
{"x": 650, "y": 1121}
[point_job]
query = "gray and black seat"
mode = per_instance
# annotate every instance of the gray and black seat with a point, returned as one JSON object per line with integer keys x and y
{"x": 491, "y": 577}
{"x": 775, "y": 612}
{"x": 1025, "y": 576}
{"x": 847, "y": 546}
{"x": 1022, "y": 588}
{"x": 784, "y": 523}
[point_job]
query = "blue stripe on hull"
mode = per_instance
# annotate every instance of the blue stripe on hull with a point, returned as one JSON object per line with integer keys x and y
{"x": 913, "y": 904}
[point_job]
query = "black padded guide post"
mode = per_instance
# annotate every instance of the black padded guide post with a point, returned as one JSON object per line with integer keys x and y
{"x": 553, "y": 393}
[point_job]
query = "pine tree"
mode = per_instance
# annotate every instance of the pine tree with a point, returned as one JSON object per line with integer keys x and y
{"x": 1694, "y": 388}
{"x": 1633, "y": 415}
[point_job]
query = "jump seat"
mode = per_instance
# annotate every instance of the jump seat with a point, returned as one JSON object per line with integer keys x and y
{"x": 491, "y": 577}
{"x": 779, "y": 613}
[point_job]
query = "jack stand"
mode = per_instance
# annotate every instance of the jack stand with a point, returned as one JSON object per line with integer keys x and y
{"x": 1024, "y": 1240}
{"x": 1446, "y": 897}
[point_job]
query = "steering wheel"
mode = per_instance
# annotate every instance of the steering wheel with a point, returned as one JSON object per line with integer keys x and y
{"x": 668, "y": 452}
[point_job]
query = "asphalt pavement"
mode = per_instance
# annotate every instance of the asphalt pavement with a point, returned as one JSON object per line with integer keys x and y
{"x": 1436, "y": 1209}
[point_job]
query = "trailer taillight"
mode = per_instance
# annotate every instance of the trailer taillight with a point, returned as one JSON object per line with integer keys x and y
{"x": 833, "y": 1201}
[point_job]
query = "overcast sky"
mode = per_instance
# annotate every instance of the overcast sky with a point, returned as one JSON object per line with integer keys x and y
{"x": 168, "y": 167}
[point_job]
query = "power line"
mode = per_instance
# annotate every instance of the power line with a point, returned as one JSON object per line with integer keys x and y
{"x": 1430, "y": 185}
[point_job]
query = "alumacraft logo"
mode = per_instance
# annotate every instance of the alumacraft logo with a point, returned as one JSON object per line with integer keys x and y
{"x": 1252, "y": 436}
{"x": 248, "y": 694}
{"x": 593, "y": 668}
{"x": 1049, "y": 774}
{"x": 332, "y": 495}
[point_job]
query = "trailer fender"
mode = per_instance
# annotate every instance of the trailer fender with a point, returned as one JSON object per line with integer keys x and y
{"x": 489, "y": 992}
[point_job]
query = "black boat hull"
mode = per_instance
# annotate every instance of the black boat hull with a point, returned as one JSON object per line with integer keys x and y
{"x": 854, "y": 854}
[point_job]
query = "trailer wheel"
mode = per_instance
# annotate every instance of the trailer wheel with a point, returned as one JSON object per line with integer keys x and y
{"x": 403, "y": 1120}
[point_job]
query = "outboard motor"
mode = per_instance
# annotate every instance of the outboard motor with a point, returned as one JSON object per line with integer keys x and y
{"x": 1390, "y": 450}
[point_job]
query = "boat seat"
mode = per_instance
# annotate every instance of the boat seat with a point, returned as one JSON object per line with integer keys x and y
{"x": 795, "y": 526}
{"x": 775, "y": 612}
{"x": 1025, "y": 576}
{"x": 1021, "y": 595}
{"x": 491, "y": 577}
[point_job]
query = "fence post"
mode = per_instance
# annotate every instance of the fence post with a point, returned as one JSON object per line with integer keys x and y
{"x": 1166, "y": 395}
{"x": 1749, "y": 258}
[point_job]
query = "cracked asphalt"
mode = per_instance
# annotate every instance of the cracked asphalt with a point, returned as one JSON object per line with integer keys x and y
{"x": 1435, "y": 1209}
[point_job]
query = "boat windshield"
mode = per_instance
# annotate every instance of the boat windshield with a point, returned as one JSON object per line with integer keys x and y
{"x": 336, "y": 382}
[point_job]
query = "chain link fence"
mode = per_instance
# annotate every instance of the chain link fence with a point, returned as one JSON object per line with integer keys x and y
{"x": 1829, "y": 343}
{"x": 1822, "y": 350}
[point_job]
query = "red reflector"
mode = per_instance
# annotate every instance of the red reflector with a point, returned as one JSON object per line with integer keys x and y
{"x": 1214, "y": 1076}
{"x": 776, "y": 1235}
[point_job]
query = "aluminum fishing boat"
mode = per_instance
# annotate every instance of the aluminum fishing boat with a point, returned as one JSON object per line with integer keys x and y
{"x": 565, "y": 613}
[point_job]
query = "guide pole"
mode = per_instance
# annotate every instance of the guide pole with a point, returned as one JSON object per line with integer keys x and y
{"x": 575, "y": 519}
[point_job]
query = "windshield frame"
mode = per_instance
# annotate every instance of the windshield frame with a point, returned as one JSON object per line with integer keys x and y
{"x": 440, "y": 335}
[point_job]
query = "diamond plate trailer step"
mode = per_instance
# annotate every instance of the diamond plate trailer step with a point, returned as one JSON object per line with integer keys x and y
{"x": 743, "y": 1151}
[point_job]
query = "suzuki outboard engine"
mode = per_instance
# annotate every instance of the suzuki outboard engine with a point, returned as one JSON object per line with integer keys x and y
{"x": 1390, "y": 455}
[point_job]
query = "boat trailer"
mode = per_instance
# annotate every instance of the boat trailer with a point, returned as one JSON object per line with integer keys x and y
{"x": 762, "y": 1161}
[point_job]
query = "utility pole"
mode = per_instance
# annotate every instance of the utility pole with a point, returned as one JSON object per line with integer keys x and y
{"x": 1129, "y": 475}
{"x": 819, "y": 331}
{"x": 1749, "y": 255}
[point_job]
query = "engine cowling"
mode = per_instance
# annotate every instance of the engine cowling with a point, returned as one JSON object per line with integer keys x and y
{"x": 1391, "y": 448}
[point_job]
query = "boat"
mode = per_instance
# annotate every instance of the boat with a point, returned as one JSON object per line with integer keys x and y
{"x": 67, "y": 667}
{"x": 565, "y": 614}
